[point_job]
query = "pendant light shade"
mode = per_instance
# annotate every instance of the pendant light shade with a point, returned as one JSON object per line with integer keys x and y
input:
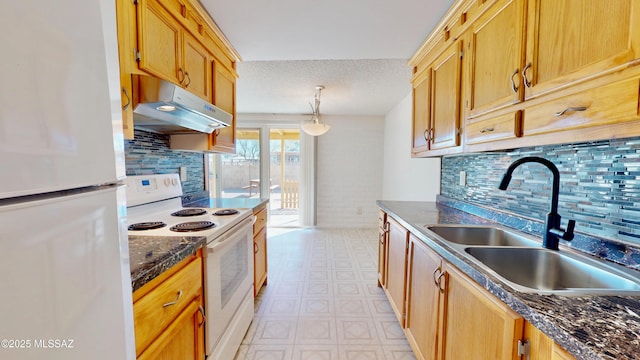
{"x": 315, "y": 127}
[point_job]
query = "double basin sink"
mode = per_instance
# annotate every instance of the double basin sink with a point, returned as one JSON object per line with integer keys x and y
{"x": 520, "y": 261}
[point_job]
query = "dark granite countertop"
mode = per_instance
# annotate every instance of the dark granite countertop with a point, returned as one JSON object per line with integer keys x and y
{"x": 589, "y": 327}
{"x": 150, "y": 256}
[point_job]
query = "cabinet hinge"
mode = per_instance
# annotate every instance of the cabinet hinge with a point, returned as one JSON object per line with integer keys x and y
{"x": 461, "y": 54}
{"x": 136, "y": 55}
{"x": 523, "y": 349}
{"x": 459, "y": 131}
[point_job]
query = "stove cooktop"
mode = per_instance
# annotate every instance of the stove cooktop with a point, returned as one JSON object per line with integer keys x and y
{"x": 154, "y": 208}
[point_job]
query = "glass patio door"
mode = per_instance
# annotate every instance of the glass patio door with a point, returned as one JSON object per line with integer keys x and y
{"x": 284, "y": 172}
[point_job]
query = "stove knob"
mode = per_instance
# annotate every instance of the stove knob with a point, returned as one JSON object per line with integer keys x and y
{"x": 174, "y": 182}
{"x": 167, "y": 182}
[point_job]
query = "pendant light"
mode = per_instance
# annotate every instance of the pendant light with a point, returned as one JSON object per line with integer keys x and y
{"x": 315, "y": 127}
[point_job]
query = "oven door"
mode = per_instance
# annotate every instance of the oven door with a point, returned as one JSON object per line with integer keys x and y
{"x": 229, "y": 278}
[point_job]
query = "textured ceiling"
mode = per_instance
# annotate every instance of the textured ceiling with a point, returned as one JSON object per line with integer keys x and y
{"x": 357, "y": 49}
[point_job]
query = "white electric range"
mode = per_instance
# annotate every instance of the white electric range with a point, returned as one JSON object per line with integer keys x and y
{"x": 154, "y": 208}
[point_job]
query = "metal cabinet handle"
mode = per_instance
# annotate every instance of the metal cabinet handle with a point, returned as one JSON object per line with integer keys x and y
{"x": 486, "y": 129}
{"x": 514, "y": 87}
{"x": 256, "y": 248}
{"x": 436, "y": 278}
{"x": 526, "y": 81}
{"x": 126, "y": 106}
{"x": 426, "y": 135}
{"x": 180, "y": 75}
{"x": 175, "y": 301}
{"x": 572, "y": 109}
{"x": 204, "y": 318}
{"x": 381, "y": 237}
{"x": 186, "y": 73}
{"x": 432, "y": 135}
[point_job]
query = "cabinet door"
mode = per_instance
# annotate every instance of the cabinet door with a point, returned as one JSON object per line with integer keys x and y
{"x": 559, "y": 353}
{"x": 126, "y": 20}
{"x": 497, "y": 51}
{"x": 159, "y": 39}
{"x": 224, "y": 96}
{"x": 477, "y": 325}
{"x": 259, "y": 260}
{"x": 445, "y": 99}
{"x": 572, "y": 39}
{"x": 423, "y": 293}
{"x": 397, "y": 243}
{"x": 540, "y": 345}
{"x": 382, "y": 248}
{"x": 197, "y": 68}
{"x": 183, "y": 339}
{"x": 421, "y": 111}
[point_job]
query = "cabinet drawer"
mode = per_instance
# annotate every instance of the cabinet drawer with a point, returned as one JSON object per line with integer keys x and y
{"x": 606, "y": 105}
{"x": 502, "y": 127}
{"x": 154, "y": 312}
{"x": 261, "y": 220}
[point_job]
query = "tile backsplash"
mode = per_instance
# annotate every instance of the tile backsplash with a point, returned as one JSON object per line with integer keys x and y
{"x": 149, "y": 153}
{"x": 599, "y": 185}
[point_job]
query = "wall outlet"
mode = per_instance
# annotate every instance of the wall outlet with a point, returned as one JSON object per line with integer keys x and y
{"x": 463, "y": 178}
{"x": 183, "y": 173}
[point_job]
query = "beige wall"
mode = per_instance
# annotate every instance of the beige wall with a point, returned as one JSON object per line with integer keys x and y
{"x": 406, "y": 178}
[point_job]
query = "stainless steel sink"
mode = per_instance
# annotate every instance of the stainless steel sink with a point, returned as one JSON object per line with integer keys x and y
{"x": 481, "y": 236}
{"x": 546, "y": 271}
{"x": 520, "y": 261}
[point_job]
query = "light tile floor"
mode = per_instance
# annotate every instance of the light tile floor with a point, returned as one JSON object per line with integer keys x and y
{"x": 322, "y": 300}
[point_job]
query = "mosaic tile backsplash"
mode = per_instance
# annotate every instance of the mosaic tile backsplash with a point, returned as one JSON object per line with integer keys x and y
{"x": 599, "y": 185}
{"x": 149, "y": 153}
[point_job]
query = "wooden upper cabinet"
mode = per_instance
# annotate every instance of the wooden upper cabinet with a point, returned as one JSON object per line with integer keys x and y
{"x": 570, "y": 40}
{"x": 445, "y": 105}
{"x": 421, "y": 112}
{"x": 159, "y": 42}
{"x": 437, "y": 103}
{"x": 224, "y": 90}
{"x": 197, "y": 67}
{"x": 497, "y": 50}
{"x": 171, "y": 53}
{"x": 126, "y": 20}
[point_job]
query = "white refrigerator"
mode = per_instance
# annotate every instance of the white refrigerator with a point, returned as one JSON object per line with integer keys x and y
{"x": 65, "y": 283}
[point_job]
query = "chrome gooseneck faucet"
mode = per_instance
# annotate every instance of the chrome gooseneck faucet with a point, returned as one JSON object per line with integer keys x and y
{"x": 553, "y": 232}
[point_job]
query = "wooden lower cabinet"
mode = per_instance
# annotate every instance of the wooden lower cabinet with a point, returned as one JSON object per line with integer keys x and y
{"x": 476, "y": 324}
{"x": 423, "y": 297}
{"x": 445, "y": 314}
{"x": 259, "y": 249}
{"x": 382, "y": 248}
{"x": 395, "y": 286}
{"x": 169, "y": 314}
{"x": 183, "y": 339}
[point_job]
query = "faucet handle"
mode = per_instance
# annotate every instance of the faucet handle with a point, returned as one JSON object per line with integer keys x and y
{"x": 568, "y": 234}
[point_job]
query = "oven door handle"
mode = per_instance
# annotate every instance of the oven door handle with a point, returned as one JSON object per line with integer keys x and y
{"x": 224, "y": 240}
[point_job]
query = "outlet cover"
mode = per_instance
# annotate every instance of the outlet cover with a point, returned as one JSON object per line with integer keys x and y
{"x": 463, "y": 178}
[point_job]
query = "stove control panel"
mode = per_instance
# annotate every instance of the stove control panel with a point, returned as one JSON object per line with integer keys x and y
{"x": 143, "y": 189}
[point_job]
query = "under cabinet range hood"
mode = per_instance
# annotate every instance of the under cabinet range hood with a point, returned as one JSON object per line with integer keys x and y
{"x": 164, "y": 107}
